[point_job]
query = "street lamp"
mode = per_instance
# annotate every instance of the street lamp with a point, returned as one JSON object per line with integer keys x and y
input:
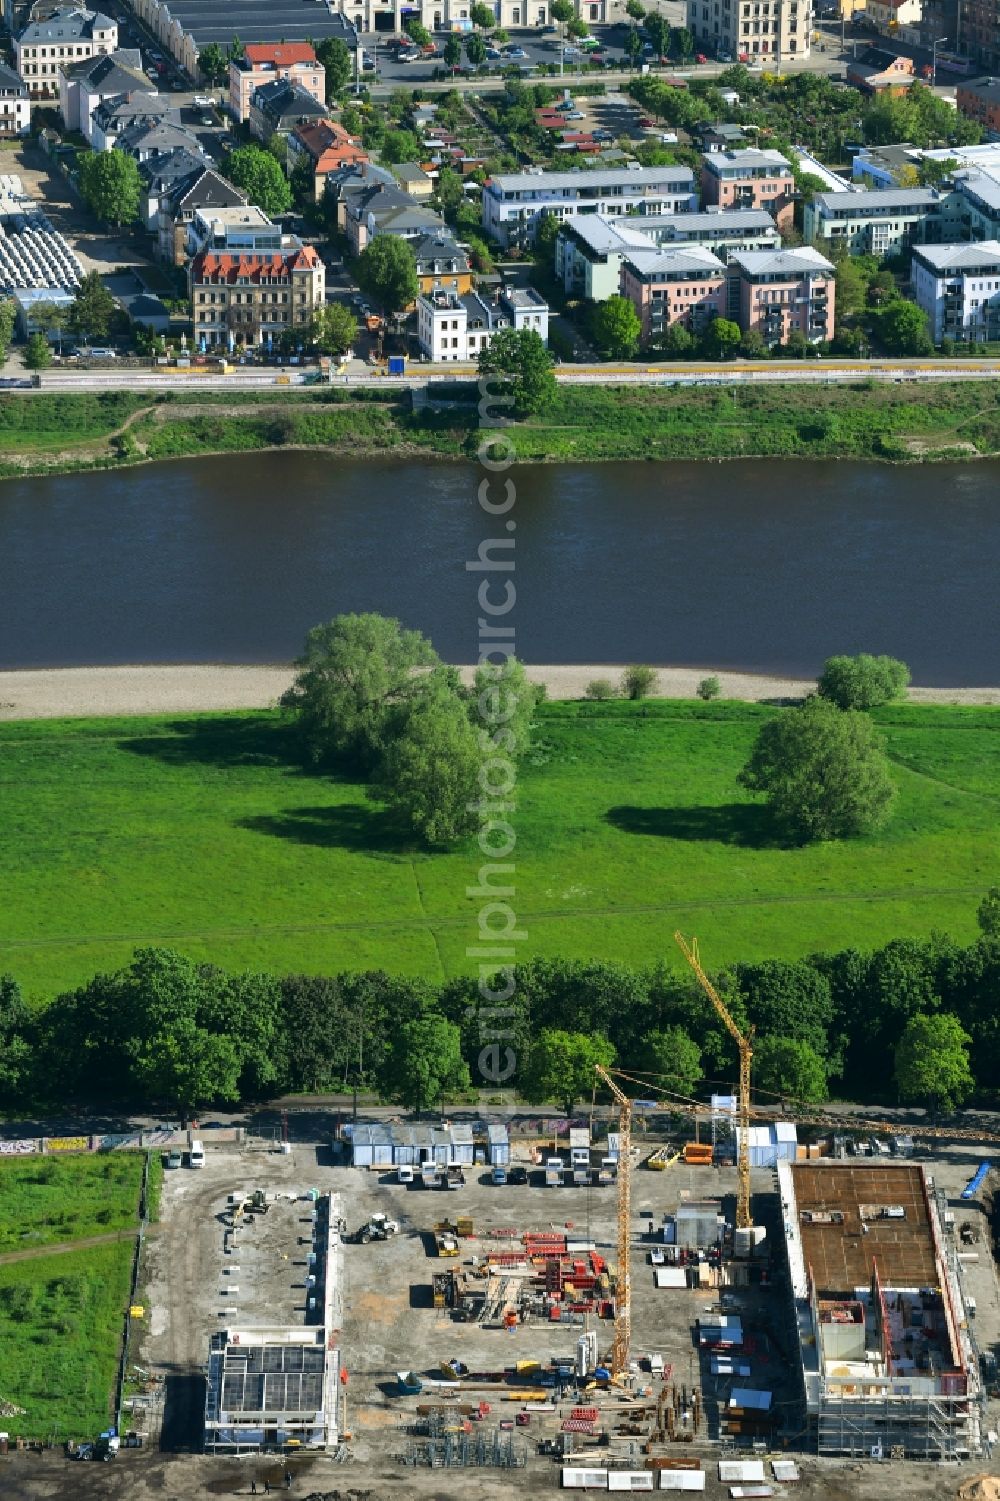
{"x": 934, "y": 48}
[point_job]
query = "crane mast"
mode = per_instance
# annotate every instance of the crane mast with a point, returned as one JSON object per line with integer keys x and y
{"x": 623, "y": 1288}
{"x": 744, "y": 1219}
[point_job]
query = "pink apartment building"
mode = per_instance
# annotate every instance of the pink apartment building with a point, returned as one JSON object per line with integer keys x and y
{"x": 749, "y": 179}
{"x": 777, "y": 292}
{"x": 264, "y": 63}
{"x": 682, "y": 284}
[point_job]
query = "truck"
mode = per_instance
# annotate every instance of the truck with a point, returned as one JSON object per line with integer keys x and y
{"x": 429, "y": 1174}
{"x": 454, "y": 1177}
{"x": 554, "y": 1169}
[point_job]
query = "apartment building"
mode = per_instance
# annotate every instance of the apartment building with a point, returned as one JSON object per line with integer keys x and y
{"x": 893, "y": 17}
{"x": 879, "y": 223}
{"x": 442, "y": 264}
{"x": 69, "y": 36}
{"x": 277, "y": 108}
{"x": 83, "y": 86}
{"x": 183, "y": 194}
{"x": 719, "y": 230}
{"x": 769, "y": 30}
{"x": 681, "y": 284}
{"x": 453, "y": 327}
{"x": 979, "y": 98}
{"x": 749, "y": 179}
{"x": 981, "y": 32}
{"x": 252, "y": 296}
{"x": 385, "y": 209}
{"x": 15, "y": 104}
{"x": 261, "y": 64}
{"x": 958, "y": 287}
{"x": 778, "y": 292}
{"x": 977, "y": 202}
{"x": 589, "y": 251}
{"x": 323, "y": 147}
{"x": 513, "y": 206}
{"x": 454, "y": 15}
{"x": 112, "y": 118}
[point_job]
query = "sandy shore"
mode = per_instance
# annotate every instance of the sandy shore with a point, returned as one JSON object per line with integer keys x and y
{"x": 71, "y": 692}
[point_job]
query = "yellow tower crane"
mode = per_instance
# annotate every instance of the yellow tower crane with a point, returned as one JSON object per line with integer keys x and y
{"x": 623, "y": 1286}
{"x": 744, "y": 1219}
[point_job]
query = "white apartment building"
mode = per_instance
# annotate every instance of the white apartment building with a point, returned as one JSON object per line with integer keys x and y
{"x": 513, "y": 206}
{"x": 748, "y": 30}
{"x": 589, "y": 251}
{"x": 15, "y": 105}
{"x": 43, "y": 48}
{"x": 958, "y": 287}
{"x": 456, "y": 328}
{"x": 877, "y": 223}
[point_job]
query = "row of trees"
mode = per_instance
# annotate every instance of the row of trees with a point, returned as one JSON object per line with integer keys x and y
{"x": 890, "y": 1025}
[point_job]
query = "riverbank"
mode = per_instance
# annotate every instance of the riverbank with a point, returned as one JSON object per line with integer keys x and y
{"x": 99, "y": 692}
{"x": 44, "y": 433}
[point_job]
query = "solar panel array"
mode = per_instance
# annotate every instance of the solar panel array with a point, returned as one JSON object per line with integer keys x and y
{"x": 273, "y": 1379}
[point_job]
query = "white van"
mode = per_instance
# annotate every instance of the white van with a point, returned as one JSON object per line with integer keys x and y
{"x": 196, "y": 1155}
{"x": 404, "y": 1174}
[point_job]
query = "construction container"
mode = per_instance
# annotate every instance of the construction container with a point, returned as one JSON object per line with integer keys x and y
{"x": 698, "y": 1153}
{"x": 698, "y": 1225}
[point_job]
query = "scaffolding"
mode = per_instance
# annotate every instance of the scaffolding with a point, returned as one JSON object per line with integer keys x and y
{"x": 458, "y": 1445}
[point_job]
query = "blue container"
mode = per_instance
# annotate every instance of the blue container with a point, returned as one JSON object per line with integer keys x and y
{"x": 397, "y": 364}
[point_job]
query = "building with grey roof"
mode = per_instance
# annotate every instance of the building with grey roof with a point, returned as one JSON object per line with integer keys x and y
{"x": 878, "y": 223}
{"x": 144, "y": 139}
{"x": 958, "y": 287}
{"x": 777, "y": 293}
{"x": 277, "y": 108}
{"x": 588, "y": 254}
{"x": 112, "y": 117}
{"x": 718, "y": 230}
{"x": 200, "y": 191}
{"x": 514, "y": 204}
{"x": 677, "y": 284}
{"x": 67, "y": 36}
{"x": 455, "y": 327}
{"x": 749, "y": 178}
{"x": 85, "y": 85}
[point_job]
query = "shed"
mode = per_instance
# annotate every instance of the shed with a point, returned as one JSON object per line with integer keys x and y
{"x": 498, "y": 1146}
{"x": 698, "y": 1225}
{"x": 462, "y": 1149}
{"x": 579, "y": 1137}
{"x": 670, "y": 1276}
{"x": 786, "y": 1471}
{"x": 747, "y": 1397}
{"x": 726, "y": 1332}
{"x": 631, "y": 1480}
{"x": 738, "y": 1471}
{"x": 682, "y": 1480}
{"x": 729, "y": 1365}
{"x": 372, "y": 1146}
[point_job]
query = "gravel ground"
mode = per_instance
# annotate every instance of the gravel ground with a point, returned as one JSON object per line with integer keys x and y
{"x": 53, "y": 693}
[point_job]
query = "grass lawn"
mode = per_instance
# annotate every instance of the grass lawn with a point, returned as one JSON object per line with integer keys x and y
{"x": 60, "y": 1322}
{"x": 201, "y": 832}
{"x": 44, "y": 1200}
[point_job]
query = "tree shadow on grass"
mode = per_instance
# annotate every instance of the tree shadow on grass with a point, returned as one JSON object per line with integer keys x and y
{"x": 350, "y": 826}
{"x": 749, "y": 825}
{"x": 236, "y": 740}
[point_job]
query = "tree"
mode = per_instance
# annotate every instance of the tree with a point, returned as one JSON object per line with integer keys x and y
{"x": 431, "y": 764}
{"x": 988, "y": 913}
{"x": 796, "y": 344}
{"x": 863, "y": 682}
{"x": 616, "y": 328}
{"x": 502, "y": 707}
{"x": 562, "y": 11}
{"x": 635, "y": 10}
{"x": 658, "y": 30}
{"x": 38, "y": 355}
{"x": 823, "y": 771}
{"x": 452, "y": 57}
{"x": 261, "y": 178}
{"x": 333, "y": 329}
{"x": 15, "y": 1047}
{"x": 577, "y": 28}
{"x": 677, "y": 342}
{"x": 681, "y": 43}
{"x": 932, "y": 1062}
{"x": 111, "y": 185}
{"x": 548, "y": 229}
{"x": 475, "y": 49}
{"x": 355, "y": 673}
{"x": 638, "y": 682}
{"x": 787, "y": 998}
{"x": 418, "y": 33}
{"x": 789, "y": 1067}
{"x": 708, "y": 689}
{"x": 399, "y": 146}
{"x": 524, "y": 365}
{"x": 675, "y": 1055}
{"x": 721, "y": 338}
{"x": 213, "y": 65}
{"x": 903, "y": 329}
{"x": 50, "y": 318}
{"x": 8, "y": 316}
{"x": 93, "y": 308}
{"x": 561, "y": 1067}
{"x": 424, "y": 1062}
{"x": 319, "y": 1033}
{"x": 753, "y": 346}
{"x": 338, "y": 61}
{"x": 483, "y": 17}
{"x": 600, "y": 688}
{"x": 387, "y": 271}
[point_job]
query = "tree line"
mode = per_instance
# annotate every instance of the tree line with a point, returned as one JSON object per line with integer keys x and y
{"x": 890, "y": 1025}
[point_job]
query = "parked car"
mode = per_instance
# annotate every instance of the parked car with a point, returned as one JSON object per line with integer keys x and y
{"x": 173, "y": 1159}
{"x": 517, "y": 1176}
{"x": 196, "y": 1154}
{"x": 516, "y": 52}
{"x": 207, "y": 120}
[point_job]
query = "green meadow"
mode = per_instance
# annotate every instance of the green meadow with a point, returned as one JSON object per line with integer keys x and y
{"x": 203, "y": 833}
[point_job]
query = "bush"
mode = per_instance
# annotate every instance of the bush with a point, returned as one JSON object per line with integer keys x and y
{"x": 863, "y": 682}
{"x": 709, "y": 688}
{"x": 601, "y": 688}
{"x": 638, "y": 682}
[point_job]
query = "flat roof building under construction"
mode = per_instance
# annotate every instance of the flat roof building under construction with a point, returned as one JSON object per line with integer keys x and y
{"x": 889, "y": 1367}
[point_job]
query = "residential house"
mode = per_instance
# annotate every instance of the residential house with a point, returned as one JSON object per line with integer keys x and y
{"x": 111, "y": 75}
{"x": 878, "y": 72}
{"x": 346, "y": 186}
{"x": 160, "y": 176}
{"x": 720, "y": 137}
{"x": 385, "y": 210}
{"x": 202, "y": 191}
{"x": 68, "y": 36}
{"x": 252, "y": 297}
{"x": 589, "y": 251}
{"x": 682, "y": 284}
{"x": 277, "y": 108}
{"x": 778, "y": 292}
{"x": 958, "y": 287}
{"x": 886, "y": 166}
{"x": 719, "y": 230}
{"x": 414, "y": 180}
{"x": 749, "y": 179}
{"x": 453, "y": 327}
{"x": 772, "y": 30}
{"x": 514, "y": 205}
{"x": 112, "y": 117}
{"x": 261, "y": 64}
{"x": 15, "y": 104}
{"x": 324, "y": 147}
{"x": 979, "y": 98}
{"x": 442, "y": 264}
{"x": 878, "y": 223}
{"x": 143, "y": 140}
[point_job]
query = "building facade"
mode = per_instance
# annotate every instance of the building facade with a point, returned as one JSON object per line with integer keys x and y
{"x": 879, "y": 223}
{"x": 455, "y": 328}
{"x": 979, "y": 98}
{"x": 15, "y": 104}
{"x": 83, "y": 86}
{"x": 322, "y": 147}
{"x": 779, "y": 292}
{"x": 278, "y": 108}
{"x": 747, "y": 30}
{"x": 69, "y": 36}
{"x": 719, "y": 230}
{"x": 252, "y": 297}
{"x": 262, "y": 64}
{"x": 682, "y": 284}
{"x": 958, "y": 287}
{"x": 513, "y": 206}
{"x": 200, "y": 191}
{"x": 749, "y": 179}
{"x": 589, "y": 251}
{"x": 981, "y": 32}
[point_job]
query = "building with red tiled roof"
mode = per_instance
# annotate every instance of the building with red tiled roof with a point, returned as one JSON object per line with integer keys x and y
{"x": 253, "y": 296}
{"x": 262, "y": 64}
{"x": 326, "y": 147}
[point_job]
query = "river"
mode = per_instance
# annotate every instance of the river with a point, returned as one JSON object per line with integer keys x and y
{"x": 765, "y": 567}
